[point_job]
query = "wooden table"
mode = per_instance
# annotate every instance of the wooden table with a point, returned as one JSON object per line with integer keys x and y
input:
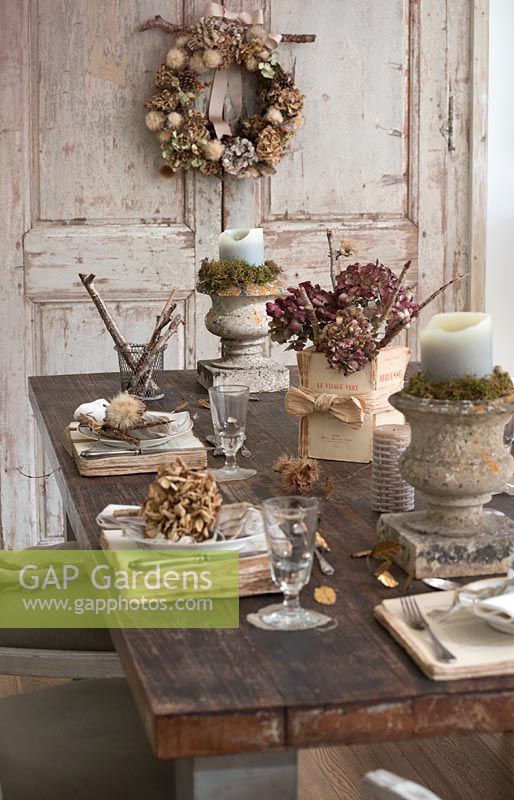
{"x": 219, "y": 692}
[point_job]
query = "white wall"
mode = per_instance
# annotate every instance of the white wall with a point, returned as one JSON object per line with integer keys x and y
{"x": 500, "y": 182}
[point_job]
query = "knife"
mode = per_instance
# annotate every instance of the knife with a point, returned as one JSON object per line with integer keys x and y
{"x": 94, "y": 454}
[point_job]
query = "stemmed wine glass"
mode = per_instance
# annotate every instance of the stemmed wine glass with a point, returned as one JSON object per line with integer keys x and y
{"x": 290, "y": 525}
{"x": 229, "y": 405}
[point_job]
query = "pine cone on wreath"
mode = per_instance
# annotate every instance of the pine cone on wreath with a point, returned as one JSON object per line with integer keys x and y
{"x": 165, "y": 77}
{"x": 165, "y": 101}
{"x": 189, "y": 81}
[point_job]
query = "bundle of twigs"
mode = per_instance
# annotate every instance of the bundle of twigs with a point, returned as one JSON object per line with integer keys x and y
{"x": 142, "y": 366}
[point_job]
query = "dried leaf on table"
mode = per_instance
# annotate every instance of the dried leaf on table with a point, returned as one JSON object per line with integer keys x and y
{"x": 385, "y": 550}
{"x": 388, "y": 580}
{"x": 361, "y": 553}
{"x": 322, "y": 543}
{"x": 382, "y": 568}
{"x": 181, "y": 406}
{"x": 204, "y": 404}
{"x": 325, "y": 595}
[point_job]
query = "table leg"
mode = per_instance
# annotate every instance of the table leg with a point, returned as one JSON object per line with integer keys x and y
{"x": 245, "y": 776}
{"x": 69, "y": 535}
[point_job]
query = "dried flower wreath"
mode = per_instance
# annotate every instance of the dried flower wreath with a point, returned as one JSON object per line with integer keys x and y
{"x": 190, "y": 139}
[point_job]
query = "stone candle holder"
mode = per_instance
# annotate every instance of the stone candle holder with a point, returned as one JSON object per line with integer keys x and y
{"x": 456, "y": 460}
{"x": 238, "y": 316}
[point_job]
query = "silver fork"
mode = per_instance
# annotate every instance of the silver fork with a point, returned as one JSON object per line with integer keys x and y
{"x": 415, "y": 619}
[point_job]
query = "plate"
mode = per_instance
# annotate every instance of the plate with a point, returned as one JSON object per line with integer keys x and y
{"x": 254, "y": 543}
{"x": 498, "y": 619}
{"x": 149, "y": 438}
{"x": 163, "y": 544}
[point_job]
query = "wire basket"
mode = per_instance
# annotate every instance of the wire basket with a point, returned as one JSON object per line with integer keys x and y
{"x": 141, "y": 383}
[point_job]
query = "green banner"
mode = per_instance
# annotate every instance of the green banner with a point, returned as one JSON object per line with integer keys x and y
{"x": 119, "y": 589}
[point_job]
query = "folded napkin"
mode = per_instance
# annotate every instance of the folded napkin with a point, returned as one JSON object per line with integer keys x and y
{"x": 502, "y": 602}
{"x": 234, "y": 521}
{"x": 95, "y": 409}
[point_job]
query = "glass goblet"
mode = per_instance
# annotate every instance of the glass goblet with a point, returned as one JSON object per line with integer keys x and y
{"x": 229, "y": 405}
{"x": 290, "y": 525}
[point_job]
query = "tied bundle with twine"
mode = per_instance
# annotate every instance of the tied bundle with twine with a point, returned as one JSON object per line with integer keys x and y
{"x": 302, "y": 402}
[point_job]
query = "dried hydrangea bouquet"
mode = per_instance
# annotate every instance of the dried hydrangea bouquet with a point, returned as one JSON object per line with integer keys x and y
{"x": 351, "y": 367}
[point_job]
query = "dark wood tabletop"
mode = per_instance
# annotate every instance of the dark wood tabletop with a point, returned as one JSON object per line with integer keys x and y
{"x": 204, "y": 692}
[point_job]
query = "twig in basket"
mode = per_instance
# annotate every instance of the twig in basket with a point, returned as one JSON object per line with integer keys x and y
{"x": 116, "y": 334}
{"x": 162, "y": 320}
{"x": 143, "y": 374}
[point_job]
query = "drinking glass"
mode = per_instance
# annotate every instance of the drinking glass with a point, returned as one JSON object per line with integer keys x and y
{"x": 290, "y": 524}
{"x": 229, "y": 405}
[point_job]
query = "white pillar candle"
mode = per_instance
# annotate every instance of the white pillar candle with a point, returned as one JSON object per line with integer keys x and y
{"x": 457, "y": 344}
{"x": 246, "y": 243}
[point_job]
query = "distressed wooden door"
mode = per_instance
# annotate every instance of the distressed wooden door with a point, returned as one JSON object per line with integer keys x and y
{"x": 383, "y": 158}
{"x": 384, "y": 154}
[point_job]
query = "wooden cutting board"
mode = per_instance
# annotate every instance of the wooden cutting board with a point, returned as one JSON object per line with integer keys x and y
{"x": 254, "y": 571}
{"x": 187, "y": 447}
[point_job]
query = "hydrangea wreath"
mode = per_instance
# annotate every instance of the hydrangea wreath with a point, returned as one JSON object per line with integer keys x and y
{"x": 187, "y": 137}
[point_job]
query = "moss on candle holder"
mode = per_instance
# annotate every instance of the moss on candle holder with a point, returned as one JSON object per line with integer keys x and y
{"x": 498, "y": 384}
{"x": 215, "y": 276}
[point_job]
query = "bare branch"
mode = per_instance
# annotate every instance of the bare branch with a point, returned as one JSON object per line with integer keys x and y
{"x": 310, "y": 312}
{"x": 332, "y": 257}
{"x": 383, "y": 317}
{"x": 170, "y": 27}
{"x": 401, "y": 325}
{"x": 116, "y": 334}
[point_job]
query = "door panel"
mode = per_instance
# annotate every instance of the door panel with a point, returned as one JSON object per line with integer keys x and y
{"x": 96, "y": 159}
{"x": 351, "y": 156}
{"x": 383, "y": 158}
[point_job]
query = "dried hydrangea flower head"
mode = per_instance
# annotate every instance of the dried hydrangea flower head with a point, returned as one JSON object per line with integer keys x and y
{"x": 349, "y": 342}
{"x": 181, "y": 503}
{"x": 124, "y": 412}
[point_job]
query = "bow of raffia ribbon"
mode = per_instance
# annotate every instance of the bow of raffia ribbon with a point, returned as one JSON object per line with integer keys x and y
{"x": 301, "y": 402}
{"x": 230, "y": 79}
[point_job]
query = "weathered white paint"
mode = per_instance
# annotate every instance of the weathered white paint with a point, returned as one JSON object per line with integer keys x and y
{"x": 500, "y": 195}
{"x": 80, "y": 182}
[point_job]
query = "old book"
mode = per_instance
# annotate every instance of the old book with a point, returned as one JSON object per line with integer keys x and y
{"x": 187, "y": 447}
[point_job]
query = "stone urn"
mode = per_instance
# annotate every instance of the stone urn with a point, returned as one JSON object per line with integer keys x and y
{"x": 238, "y": 316}
{"x": 457, "y": 460}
